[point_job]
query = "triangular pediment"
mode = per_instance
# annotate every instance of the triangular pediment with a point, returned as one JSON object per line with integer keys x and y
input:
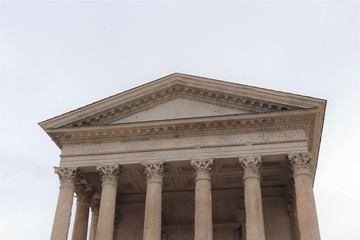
{"x": 180, "y": 96}
{"x": 180, "y": 108}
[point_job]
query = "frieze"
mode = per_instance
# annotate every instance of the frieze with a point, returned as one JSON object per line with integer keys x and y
{"x": 183, "y": 154}
{"x": 186, "y": 142}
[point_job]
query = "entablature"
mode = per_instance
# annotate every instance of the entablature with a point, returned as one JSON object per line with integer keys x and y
{"x": 237, "y": 123}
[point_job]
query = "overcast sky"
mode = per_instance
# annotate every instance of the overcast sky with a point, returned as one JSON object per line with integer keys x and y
{"x": 60, "y": 55}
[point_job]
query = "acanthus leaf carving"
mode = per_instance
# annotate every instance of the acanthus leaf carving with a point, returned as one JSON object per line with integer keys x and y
{"x": 251, "y": 165}
{"x": 95, "y": 204}
{"x": 302, "y": 163}
{"x": 83, "y": 189}
{"x": 66, "y": 176}
{"x": 109, "y": 173}
{"x": 203, "y": 168}
{"x": 154, "y": 171}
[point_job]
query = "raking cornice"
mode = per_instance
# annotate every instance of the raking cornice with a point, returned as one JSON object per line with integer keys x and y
{"x": 174, "y": 86}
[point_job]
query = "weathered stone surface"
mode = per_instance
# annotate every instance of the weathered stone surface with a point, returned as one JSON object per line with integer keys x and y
{"x": 175, "y": 120}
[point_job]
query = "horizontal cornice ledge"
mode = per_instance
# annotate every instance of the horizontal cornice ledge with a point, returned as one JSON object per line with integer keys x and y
{"x": 296, "y": 119}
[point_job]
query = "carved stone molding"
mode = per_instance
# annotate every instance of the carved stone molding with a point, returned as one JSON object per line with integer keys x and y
{"x": 154, "y": 172}
{"x": 215, "y": 125}
{"x": 83, "y": 189}
{"x": 302, "y": 163}
{"x": 203, "y": 168}
{"x": 95, "y": 204}
{"x": 66, "y": 176}
{"x": 177, "y": 91}
{"x": 109, "y": 173}
{"x": 252, "y": 166}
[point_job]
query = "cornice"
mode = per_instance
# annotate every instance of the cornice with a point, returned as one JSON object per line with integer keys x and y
{"x": 146, "y": 102}
{"x": 211, "y": 91}
{"x": 296, "y": 119}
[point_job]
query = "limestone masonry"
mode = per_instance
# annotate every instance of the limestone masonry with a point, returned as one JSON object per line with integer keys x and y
{"x": 186, "y": 157}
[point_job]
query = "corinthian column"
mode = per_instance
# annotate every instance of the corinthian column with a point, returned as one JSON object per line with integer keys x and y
{"x": 109, "y": 178}
{"x": 83, "y": 193}
{"x": 152, "y": 222}
{"x": 302, "y": 165}
{"x": 61, "y": 224}
{"x": 94, "y": 205}
{"x": 255, "y": 229}
{"x": 203, "y": 207}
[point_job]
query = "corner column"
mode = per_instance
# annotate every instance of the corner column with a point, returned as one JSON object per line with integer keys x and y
{"x": 94, "y": 205}
{"x": 61, "y": 224}
{"x": 255, "y": 229}
{"x": 109, "y": 178}
{"x": 83, "y": 192}
{"x": 203, "y": 201}
{"x": 154, "y": 179}
{"x": 302, "y": 166}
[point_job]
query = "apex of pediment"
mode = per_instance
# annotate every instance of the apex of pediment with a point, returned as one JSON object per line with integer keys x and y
{"x": 179, "y": 96}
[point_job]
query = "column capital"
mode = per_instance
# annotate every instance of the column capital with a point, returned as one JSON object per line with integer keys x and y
{"x": 252, "y": 166}
{"x": 83, "y": 189}
{"x": 154, "y": 172}
{"x": 203, "y": 168}
{"x": 302, "y": 163}
{"x": 66, "y": 176}
{"x": 95, "y": 204}
{"x": 109, "y": 173}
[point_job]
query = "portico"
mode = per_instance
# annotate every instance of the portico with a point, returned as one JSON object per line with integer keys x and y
{"x": 185, "y": 157}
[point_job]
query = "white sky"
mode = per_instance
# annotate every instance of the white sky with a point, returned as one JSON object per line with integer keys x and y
{"x": 60, "y": 55}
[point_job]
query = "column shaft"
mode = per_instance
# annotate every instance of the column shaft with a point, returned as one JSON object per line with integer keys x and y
{"x": 153, "y": 205}
{"x": 302, "y": 166}
{"x": 203, "y": 202}
{"x": 95, "y": 205}
{"x": 203, "y": 210}
{"x": 81, "y": 221}
{"x": 93, "y": 225}
{"x": 61, "y": 224}
{"x": 255, "y": 229}
{"x": 152, "y": 222}
{"x": 105, "y": 226}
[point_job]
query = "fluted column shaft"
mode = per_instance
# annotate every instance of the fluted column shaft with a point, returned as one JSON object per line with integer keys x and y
{"x": 152, "y": 221}
{"x": 105, "y": 226}
{"x": 61, "y": 224}
{"x": 255, "y": 229}
{"x": 93, "y": 225}
{"x": 302, "y": 166}
{"x": 81, "y": 220}
{"x": 95, "y": 205}
{"x": 203, "y": 200}
{"x": 83, "y": 191}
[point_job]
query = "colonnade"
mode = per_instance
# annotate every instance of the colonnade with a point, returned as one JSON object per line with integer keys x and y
{"x": 103, "y": 207}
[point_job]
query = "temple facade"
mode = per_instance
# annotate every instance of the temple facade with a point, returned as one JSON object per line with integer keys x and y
{"x": 186, "y": 157}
